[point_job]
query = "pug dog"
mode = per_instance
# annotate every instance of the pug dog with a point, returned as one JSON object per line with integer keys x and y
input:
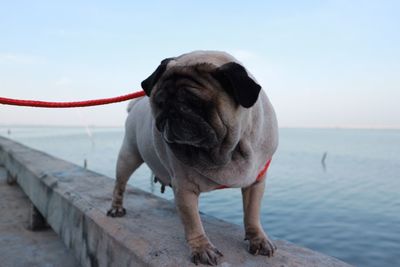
{"x": 204, "y": 125}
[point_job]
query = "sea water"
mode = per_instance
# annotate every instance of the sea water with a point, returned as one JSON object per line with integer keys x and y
{"x": 336, "y": 191}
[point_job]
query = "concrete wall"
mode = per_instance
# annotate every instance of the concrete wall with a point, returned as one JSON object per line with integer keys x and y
{"x": 20, "y": 244}
{"x": 74, "y": 201}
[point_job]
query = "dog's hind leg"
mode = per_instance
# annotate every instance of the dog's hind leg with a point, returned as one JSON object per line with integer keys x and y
{"x": 128, "y": 161}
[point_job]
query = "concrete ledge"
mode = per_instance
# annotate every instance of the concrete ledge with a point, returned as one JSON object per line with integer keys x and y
{"x": 74, "y": 202}
{"x": 20, "y": 246}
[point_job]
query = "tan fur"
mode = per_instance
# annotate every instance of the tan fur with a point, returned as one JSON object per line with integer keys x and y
{"x": 247, "y": 139}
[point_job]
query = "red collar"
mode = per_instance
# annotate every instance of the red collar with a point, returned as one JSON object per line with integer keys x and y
{"x": 259, "y": 176}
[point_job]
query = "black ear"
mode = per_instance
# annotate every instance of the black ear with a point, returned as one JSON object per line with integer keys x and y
{"x": 234, "y": 78}
{"x": 147, "y": 85}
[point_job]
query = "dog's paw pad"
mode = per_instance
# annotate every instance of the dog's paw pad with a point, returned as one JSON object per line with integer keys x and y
{"x": 262, "y": 246}
{"x": 116, "y": 212}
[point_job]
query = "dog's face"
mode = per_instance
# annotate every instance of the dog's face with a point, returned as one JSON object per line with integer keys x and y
{"x": 195, "y": 100}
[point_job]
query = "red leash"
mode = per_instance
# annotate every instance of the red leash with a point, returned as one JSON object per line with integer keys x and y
{"x": 87, "y": 103}
{"x": 95, "y": 102}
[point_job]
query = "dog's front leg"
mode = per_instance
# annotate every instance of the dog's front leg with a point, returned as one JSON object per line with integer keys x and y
{"x": 259, "y": 242}
{"x": 202, "y": 250}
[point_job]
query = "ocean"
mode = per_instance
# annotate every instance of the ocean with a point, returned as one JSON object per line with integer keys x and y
{"x": 336, "y": 191}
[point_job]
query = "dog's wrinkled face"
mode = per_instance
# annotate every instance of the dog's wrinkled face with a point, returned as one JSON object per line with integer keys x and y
{"x": 183, "y": 107}
{"x": 191, "y": 104}
{"x": 182, "y": 115}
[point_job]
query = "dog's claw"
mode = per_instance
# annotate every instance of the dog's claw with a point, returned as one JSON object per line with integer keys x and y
{"x": 206, "y": 255}
{"x": 262, "y": 246}
{"x": 116, "y": 212}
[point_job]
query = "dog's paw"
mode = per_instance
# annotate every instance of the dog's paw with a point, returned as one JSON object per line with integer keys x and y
{"x": 261, "y": 245}
{"x": 206, "y": 255}
{"x": 202, "y": 251}
{"x": 116, "y": 212}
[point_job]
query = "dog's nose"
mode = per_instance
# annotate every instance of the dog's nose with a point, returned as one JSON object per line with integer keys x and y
{"x": 184, "y": 109}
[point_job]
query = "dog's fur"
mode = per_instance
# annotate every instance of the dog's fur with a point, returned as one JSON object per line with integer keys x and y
{"x": 205, "y": 123}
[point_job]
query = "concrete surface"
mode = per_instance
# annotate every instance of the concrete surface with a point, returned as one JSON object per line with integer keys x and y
{"x": 20, "y": 247}
{"x": 74, "y": 201}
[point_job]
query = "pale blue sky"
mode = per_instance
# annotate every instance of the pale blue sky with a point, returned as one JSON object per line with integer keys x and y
{"x": 322, "y": 63}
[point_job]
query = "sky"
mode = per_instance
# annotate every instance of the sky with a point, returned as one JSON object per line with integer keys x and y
{"x": 322, "y": 63}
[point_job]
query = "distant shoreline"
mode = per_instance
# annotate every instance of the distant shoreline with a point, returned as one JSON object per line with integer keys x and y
{"x": 395, "y": 128}
{"x": 58, "y": 126}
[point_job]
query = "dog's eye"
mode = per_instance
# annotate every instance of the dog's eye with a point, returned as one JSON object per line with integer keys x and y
{"x": 160, "y": 98}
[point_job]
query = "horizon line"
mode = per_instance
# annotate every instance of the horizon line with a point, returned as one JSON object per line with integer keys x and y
{"x": 344, "y": 127}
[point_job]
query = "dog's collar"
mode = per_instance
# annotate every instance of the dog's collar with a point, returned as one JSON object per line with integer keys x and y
{"x": 260, "y": 175}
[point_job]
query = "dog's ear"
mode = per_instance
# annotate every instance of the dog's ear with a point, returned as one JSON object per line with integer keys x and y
{"x": 148, "y": 84}
{"x": 234, "y": 78}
